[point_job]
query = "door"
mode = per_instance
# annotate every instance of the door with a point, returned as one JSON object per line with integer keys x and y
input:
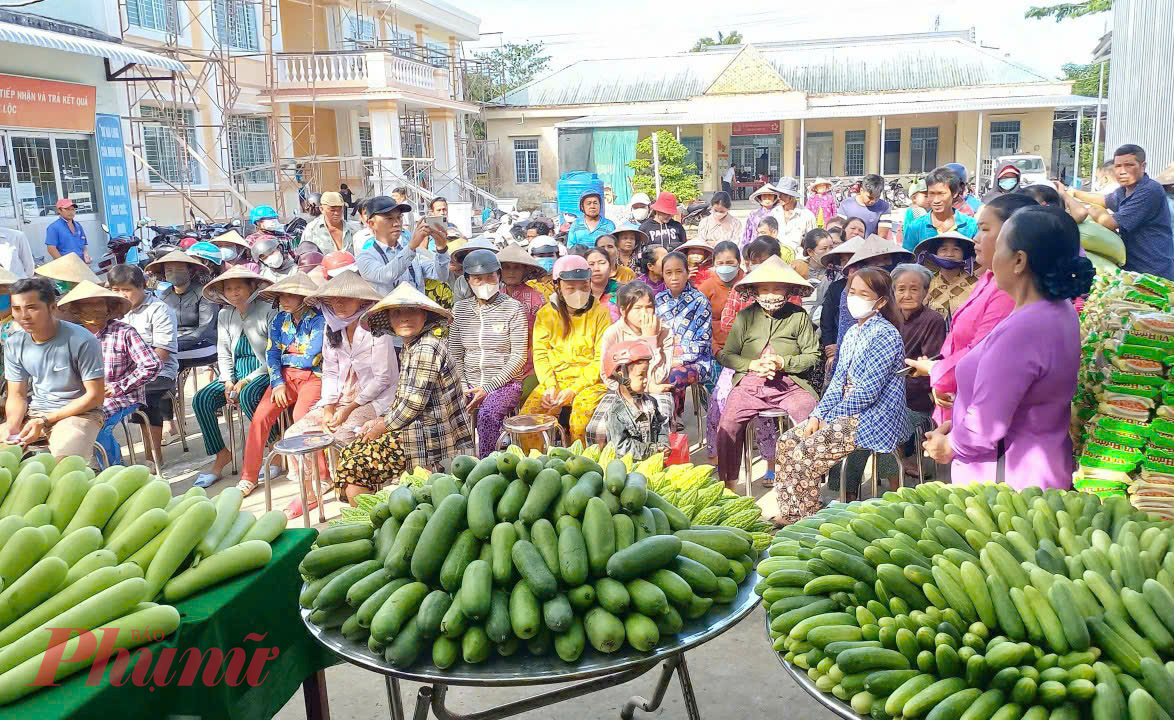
{"x": 44, "y": 168}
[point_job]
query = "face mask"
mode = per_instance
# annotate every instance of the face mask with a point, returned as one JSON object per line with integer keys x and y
{"x": 484, "y": 292}
{"x": 577, "y": 299}
{"x": 947, "y": 263}
{"x": 546, "y": 264}
{"x": 771, "y": 303}
{"x": 177, "y": 276}
{"x": 640, "y": 213}
{"x": 5, "y": 303}
{"x": 1008, "y": 184}
{"x": 726, "y": 272}
{"x": 335, "y": 322}
{"x": 273, "y": 260}
{"x": 859, "y": 307}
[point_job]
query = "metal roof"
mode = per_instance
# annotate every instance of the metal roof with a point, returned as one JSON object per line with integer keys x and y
{"x": 907, "y": 63}
{"x": 85, "y": 46}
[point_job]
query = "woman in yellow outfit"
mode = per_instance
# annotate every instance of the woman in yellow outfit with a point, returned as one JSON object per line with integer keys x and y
{"x": 568, "y": 337}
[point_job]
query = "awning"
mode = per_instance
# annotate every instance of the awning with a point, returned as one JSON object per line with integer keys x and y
{"x": 120, "y": 54}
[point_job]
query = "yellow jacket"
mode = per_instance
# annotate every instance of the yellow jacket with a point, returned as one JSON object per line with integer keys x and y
{"x": 571, "y": 362}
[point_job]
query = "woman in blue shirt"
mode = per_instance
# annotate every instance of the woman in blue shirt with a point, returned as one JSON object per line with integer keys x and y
{"x": 686, "y": 312}
{"x": 863, "y": 407}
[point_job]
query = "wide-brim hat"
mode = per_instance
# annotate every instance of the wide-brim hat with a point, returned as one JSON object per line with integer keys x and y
{"x": 214, "y": 289}
{"x": 116, "y": 304}
{"x": 347, "y": 284}
{"x": 931, "y": 245}
{"x": 875, "y": 246}
{"x": 516, "y": 254}
{"x": 405, "y": 295}
{"x": 774, "y": 270}
{"x": 1166, "y": 177}
{"x": 666, "y": 203}
{"x": 232, "y": 236}
{"x": 766, "y": 189}
{"x": 789, "y": 186}
{"x": 695, "y": 244}
{"x": 844, "y": 250}
{"x": 298, "y": 283}
{"x": 7, "y": 278}
{"x": 68, "y": 268}
{"x": 175, "y": 256}
{"x": 821, "y": 181}
{"x": 629, "y": 227}
{"x": 474, "y": 244}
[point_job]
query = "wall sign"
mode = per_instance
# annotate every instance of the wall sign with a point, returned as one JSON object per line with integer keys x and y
{"x": 115, "y": 184}
{"x": 47, "y": 104}
{"x": 759, "y": 127}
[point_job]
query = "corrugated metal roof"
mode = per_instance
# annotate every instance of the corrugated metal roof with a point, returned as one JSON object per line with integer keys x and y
{"x": 914, "y": 63}
{"x": 85, "y": 46}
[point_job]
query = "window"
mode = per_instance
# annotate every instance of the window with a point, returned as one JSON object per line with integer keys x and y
{"x": 526, "y": 160}
{"x": 166, "y": 155}
{"x": 359, "y": 32}
{"x": 75, "y": 164}
{"x": 819, "y": 154}
{"x": 854, "y": 153}
{"x": 152, "y": 14}
{"x": 248, "y": 147}
{"x": 365, "y": 141}
{"x": 892, "y": 164}
{"x": 236, "y": 24}
{"x": 33, "y": 161}
{"x": 693, "y": 145}
{"x": 1004, "y": 138}
{"x": 924, "y": 145}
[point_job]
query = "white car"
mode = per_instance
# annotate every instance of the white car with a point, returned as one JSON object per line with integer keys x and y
{"x": 1031, "y": 167}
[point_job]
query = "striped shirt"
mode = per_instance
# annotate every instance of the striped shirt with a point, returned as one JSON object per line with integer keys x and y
{"x": 487, "y": 342}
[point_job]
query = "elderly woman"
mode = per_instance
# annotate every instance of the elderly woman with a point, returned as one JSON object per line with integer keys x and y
{"x": 1014, "y": 387}
{"x": 863, "y": 407}
{"x": 359, "y": 370}
{"x": 242, "y": 336}
{"x": 66, "y": 272}
{"x": 630, "y": 240}
{"x": 767, "y": 197}
{"x": 950, "y": 257}
{"x": 568, "y": 337}
{"x": 427, "y": 423}
{"x": 719, "y": 225}
{"x": 771, "y": 343}
{"x": 129, "y": 362}
{"x": 603, "y": 286}
{"x": 922, "y": 332}
{"x": 487, "y": 346}
{"x": 686, "y": 312}
{"x": 649, "y": 266}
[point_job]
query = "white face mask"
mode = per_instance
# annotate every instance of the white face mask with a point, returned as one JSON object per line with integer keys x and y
{"x": 273, "y": 260}
{"x": 726, "y": 272}
{"x": 577, "y": 299}
{"x": 859, "y": 307}
{"x": 484, "y": 292}
{"x": 640, "y": 213}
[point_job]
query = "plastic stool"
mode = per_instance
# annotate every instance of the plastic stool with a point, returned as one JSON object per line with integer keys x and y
{"x": 298, "y": 446}
{"x": 513, "y": 428}
{"x": 100, "y": 455}
{"x": 873, "y": 457}
{"x": 785, "y": 422}
{"x": 700, "y": 408}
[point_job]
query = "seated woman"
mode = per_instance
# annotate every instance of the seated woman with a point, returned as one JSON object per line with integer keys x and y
{"x": 242, "y": 335}
{"x": 770, "y": 344}
{"x": 873, "y": 251}
{"x": 359, "y": 370}
{"x": 686, "y": 312}
{"x": 568, "y": 337}
{"x": 545, "y": 252}
{"x": 129, "y": 363}
{"x": 630, "y": 241}
{"x": 700, "y": 256}
{"x": 456, "y": 275}
{"x": 66, "y": 272}
{"x": 649, "y": 266}
{"x": 427, "y": 424}
{"x": 603, "y": 287}
{"x": 195, "y": 317}
{"x": 719, "y": 225}
{"x": 863, "y": 407}
{"x": 1013, "y": 408}
{"x": 638, "y": 322}
{"x": 487, "y": 346}
{"x": 236, "y": 253}
{"x": 635, "y": 426}
{"x": 922, "y": 333}
{"x": 620, "y": 273}
{"x": 518, "y": 267}
{"x": 950, "y": 257}
{"x": 294, "y": 361}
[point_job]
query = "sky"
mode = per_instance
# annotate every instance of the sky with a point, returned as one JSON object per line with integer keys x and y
{"x": 622, "y": 28}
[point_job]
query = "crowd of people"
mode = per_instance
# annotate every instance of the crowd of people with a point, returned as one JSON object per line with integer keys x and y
{"x": 411, "y": 344}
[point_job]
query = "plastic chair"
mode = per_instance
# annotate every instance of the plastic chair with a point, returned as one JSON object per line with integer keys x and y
{"x": 785, "y": 422}
{"x": 513, "y": 428}
{"x": 298, "y": 446}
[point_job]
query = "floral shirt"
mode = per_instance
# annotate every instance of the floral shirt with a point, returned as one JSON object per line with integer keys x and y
{"x": 691, "y": 321}
{"x": 440, "y": 293}
{"x": 295, "y": 345}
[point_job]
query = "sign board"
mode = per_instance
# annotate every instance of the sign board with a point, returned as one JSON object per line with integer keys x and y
{"x": 46, "y": 104}
{"x": 760, "y": 127}
{"x": 115, "y": 183}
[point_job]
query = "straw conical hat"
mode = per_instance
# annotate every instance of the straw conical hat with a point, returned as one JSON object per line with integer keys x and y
{"x": 695, "y": 244}
{"x": 774, "y": 270}
{"x": 299, "y": 283}
{"x": 232, "y": 236}
{"x": 347, "y": 284}
{"x": 7, "y": 278}
{"x": 175, "y": 256}
{"x": 517, "y": 255}
{"x": 407, "y": 296}
{"x": 936, "y": 241}
{"x": 766, "y": 189}
{"x": 86, "y": 290}
{"x": 847, "y": 249}
{"x": 214, "y": 290}
{"x": 1166, "y": 177}
{"x": 68, "y": 268}
{"x": 874, "y": 246}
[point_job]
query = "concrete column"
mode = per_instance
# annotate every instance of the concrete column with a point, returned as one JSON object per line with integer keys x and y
{"x": 880, "y": 152}
{"x": 419, "y": 34}
{"x": 710, "y": 172}
{"x": 444, "y": 153}
{"x": 789, "y": 141}
{"x": 385, "y": 144}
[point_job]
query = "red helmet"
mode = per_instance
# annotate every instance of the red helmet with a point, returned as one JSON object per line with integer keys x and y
{"x": 187, "y": 242}
{"x": 625, "y": 353}
{"x": 309, "y": 260}
{"x": 337, "y": 261}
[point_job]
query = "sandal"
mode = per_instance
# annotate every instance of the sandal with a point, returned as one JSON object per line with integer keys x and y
{"x": 294, "y": 510}
{"x": 246, "y": 487}
{"x": 206, "y": 480}
{"x": 768, "y": 480}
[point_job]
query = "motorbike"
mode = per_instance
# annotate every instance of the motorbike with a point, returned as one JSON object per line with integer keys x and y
{"x": 844, "y": 188}
{"x": 696, "y": 210}
{"x": 121, "y": 248}
{"x": 896, "y": 194}
{"x": 506, "y": 227}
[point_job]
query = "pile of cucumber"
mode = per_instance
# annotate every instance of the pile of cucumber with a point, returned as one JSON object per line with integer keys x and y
{"x": 979, "y": 603}
{"x": 504, "y": 553}
{"x": 79, "y": 550}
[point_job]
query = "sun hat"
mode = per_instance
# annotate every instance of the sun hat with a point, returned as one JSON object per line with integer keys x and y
{"x": 845, "y": 249}
{"x": 68, "y": 268}
{"x": 214, "y": 290}
{"x": 875, "y": 246}
{"x": 766, "y": 189}
{"x": 175, "y": 256}
{"x": 639, "y": 199}
{"x": 788, "y": 186}
{"x": 480, "y": 243}
{"x": 1166, "y": 177}
{"x": 233, "y": 237}
{"x": 918, "y": 186}
{"x": 331, "y": 199}
{"x": 405, "y": 295}
{"x": 666, "y": 203}
{"x": 298, "y": 283}
{"x": 774, "y": 270}
{"x": 930, "y": 245}
{"x": 571, "y": 267}
{"x": 347, "y": 284}
{"x": 7, "y": 278}
{"x": 820, "y": 181}
{"x": 116, "y": 304}
{"x": 625, "y": 353}
{"x": 517, "y": 255}
{"x": 695, "y": 244}
{"x": 628, "y": 226}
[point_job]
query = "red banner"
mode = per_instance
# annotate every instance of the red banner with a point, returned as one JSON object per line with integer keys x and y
{"x": 46, "y": 104}
{"x": 759, "y": 127}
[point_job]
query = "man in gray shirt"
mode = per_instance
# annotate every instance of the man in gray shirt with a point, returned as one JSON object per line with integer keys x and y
{"x": 55, "y": 375}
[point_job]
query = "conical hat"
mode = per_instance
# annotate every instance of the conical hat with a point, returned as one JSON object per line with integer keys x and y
{"x": 175, "y": 256}
{"x": 86, "y": 290}
{"x": 347, "y": 284}
{"x": 766, "y": 189}
{"x": 7, "y": 278}
{"x": 874, "y": 246}
{"x": 298, "y": 283}
{"x": 232, "y": 236}
{"x": 695, "y": 244}
{"x": 214, "y": 290}
{"x": 931, "y": 245}
{"x": 774, "y": 270}
{"x": 68, "y": 268}
{"x": 847, "y": 248}
{"x": 407, "y": 296}
{"x": 516, "y": 254}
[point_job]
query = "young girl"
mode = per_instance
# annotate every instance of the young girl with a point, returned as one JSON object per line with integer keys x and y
{"x": 700, "y": 256}
{"x": 686, "y": 312}
{"x": 650, "y": 267}
{"x": 636, "y": 425}
{"x": 822, "y": 201}
{"x": 603, "y": 287}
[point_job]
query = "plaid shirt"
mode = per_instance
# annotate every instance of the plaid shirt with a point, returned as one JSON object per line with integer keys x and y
{"x": 945, "y": 297}
{"x": 428, "y": 412}
{"x": 864, "y": 384}
{"x": 129, "y": 365}
{"x": 689, "y": 317}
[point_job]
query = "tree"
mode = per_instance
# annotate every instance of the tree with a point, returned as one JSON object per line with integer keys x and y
{"x": 676, "y": 176}
{"x": 1086, "y": 78}
{"x": 507, "y": 68}
{"x": 1064, "y": 11}
{"x": 734, "y": 38}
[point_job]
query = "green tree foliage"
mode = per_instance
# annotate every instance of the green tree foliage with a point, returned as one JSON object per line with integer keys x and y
{"x": 504, "y": 69}
{"x": 1064, "y": 11}
{"x": 734, "y": 38}
{"x": 1086, "y": 78}
{"x": 676, "y": 176}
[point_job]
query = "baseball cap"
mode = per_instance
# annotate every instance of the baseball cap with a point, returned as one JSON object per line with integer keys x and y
{"x": 65, "y": 203}
{"x": 332, "y": 199}
{"x": 571, "y": 267}
{"x": 382, "y": 205}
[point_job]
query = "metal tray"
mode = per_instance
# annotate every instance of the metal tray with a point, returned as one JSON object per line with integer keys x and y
{"x": 524, "y": 669}
{"x": 837, "y": 706}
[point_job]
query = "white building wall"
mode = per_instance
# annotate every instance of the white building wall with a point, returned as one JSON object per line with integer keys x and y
{"x": 1139, "y": 103}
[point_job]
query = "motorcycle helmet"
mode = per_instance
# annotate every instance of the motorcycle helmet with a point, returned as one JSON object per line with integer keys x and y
{"x": 337, "y": 261}
{"x": 206, "y": 251}
{"x": 309, "y": 260}
{"x": 481, "y": 262}
{"x": 261, "y": 212}
{"x": 229, "y": 255}
{"x": 187, "y": 242}
{"x": 268, "y": 252}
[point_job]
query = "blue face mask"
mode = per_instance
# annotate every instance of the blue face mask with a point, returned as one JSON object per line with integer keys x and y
{"x": 546, "y": 264}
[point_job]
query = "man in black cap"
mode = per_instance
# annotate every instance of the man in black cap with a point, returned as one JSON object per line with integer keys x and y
{"x": 385, "y": 265}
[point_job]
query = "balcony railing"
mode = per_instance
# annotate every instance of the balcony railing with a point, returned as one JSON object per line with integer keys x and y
{"x": 371, "y": 69}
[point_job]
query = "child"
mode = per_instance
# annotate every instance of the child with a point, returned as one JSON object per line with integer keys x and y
{"x": 699, "y": 255}
{"x": 769, "y": 226}
{"x": 636, "y": 426}
{"x": 822, "y": 201}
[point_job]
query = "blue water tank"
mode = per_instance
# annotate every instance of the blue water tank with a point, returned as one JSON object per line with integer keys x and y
{"x": 573, "y": 184}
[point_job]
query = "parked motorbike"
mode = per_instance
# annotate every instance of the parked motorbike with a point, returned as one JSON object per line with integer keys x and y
{"x": 896, "y": 194}
{"x": 693, "y": 213}
{"x": 121, "y": 248}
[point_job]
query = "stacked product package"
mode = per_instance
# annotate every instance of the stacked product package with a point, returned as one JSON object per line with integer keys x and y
{"x": 1123, "y": 412}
